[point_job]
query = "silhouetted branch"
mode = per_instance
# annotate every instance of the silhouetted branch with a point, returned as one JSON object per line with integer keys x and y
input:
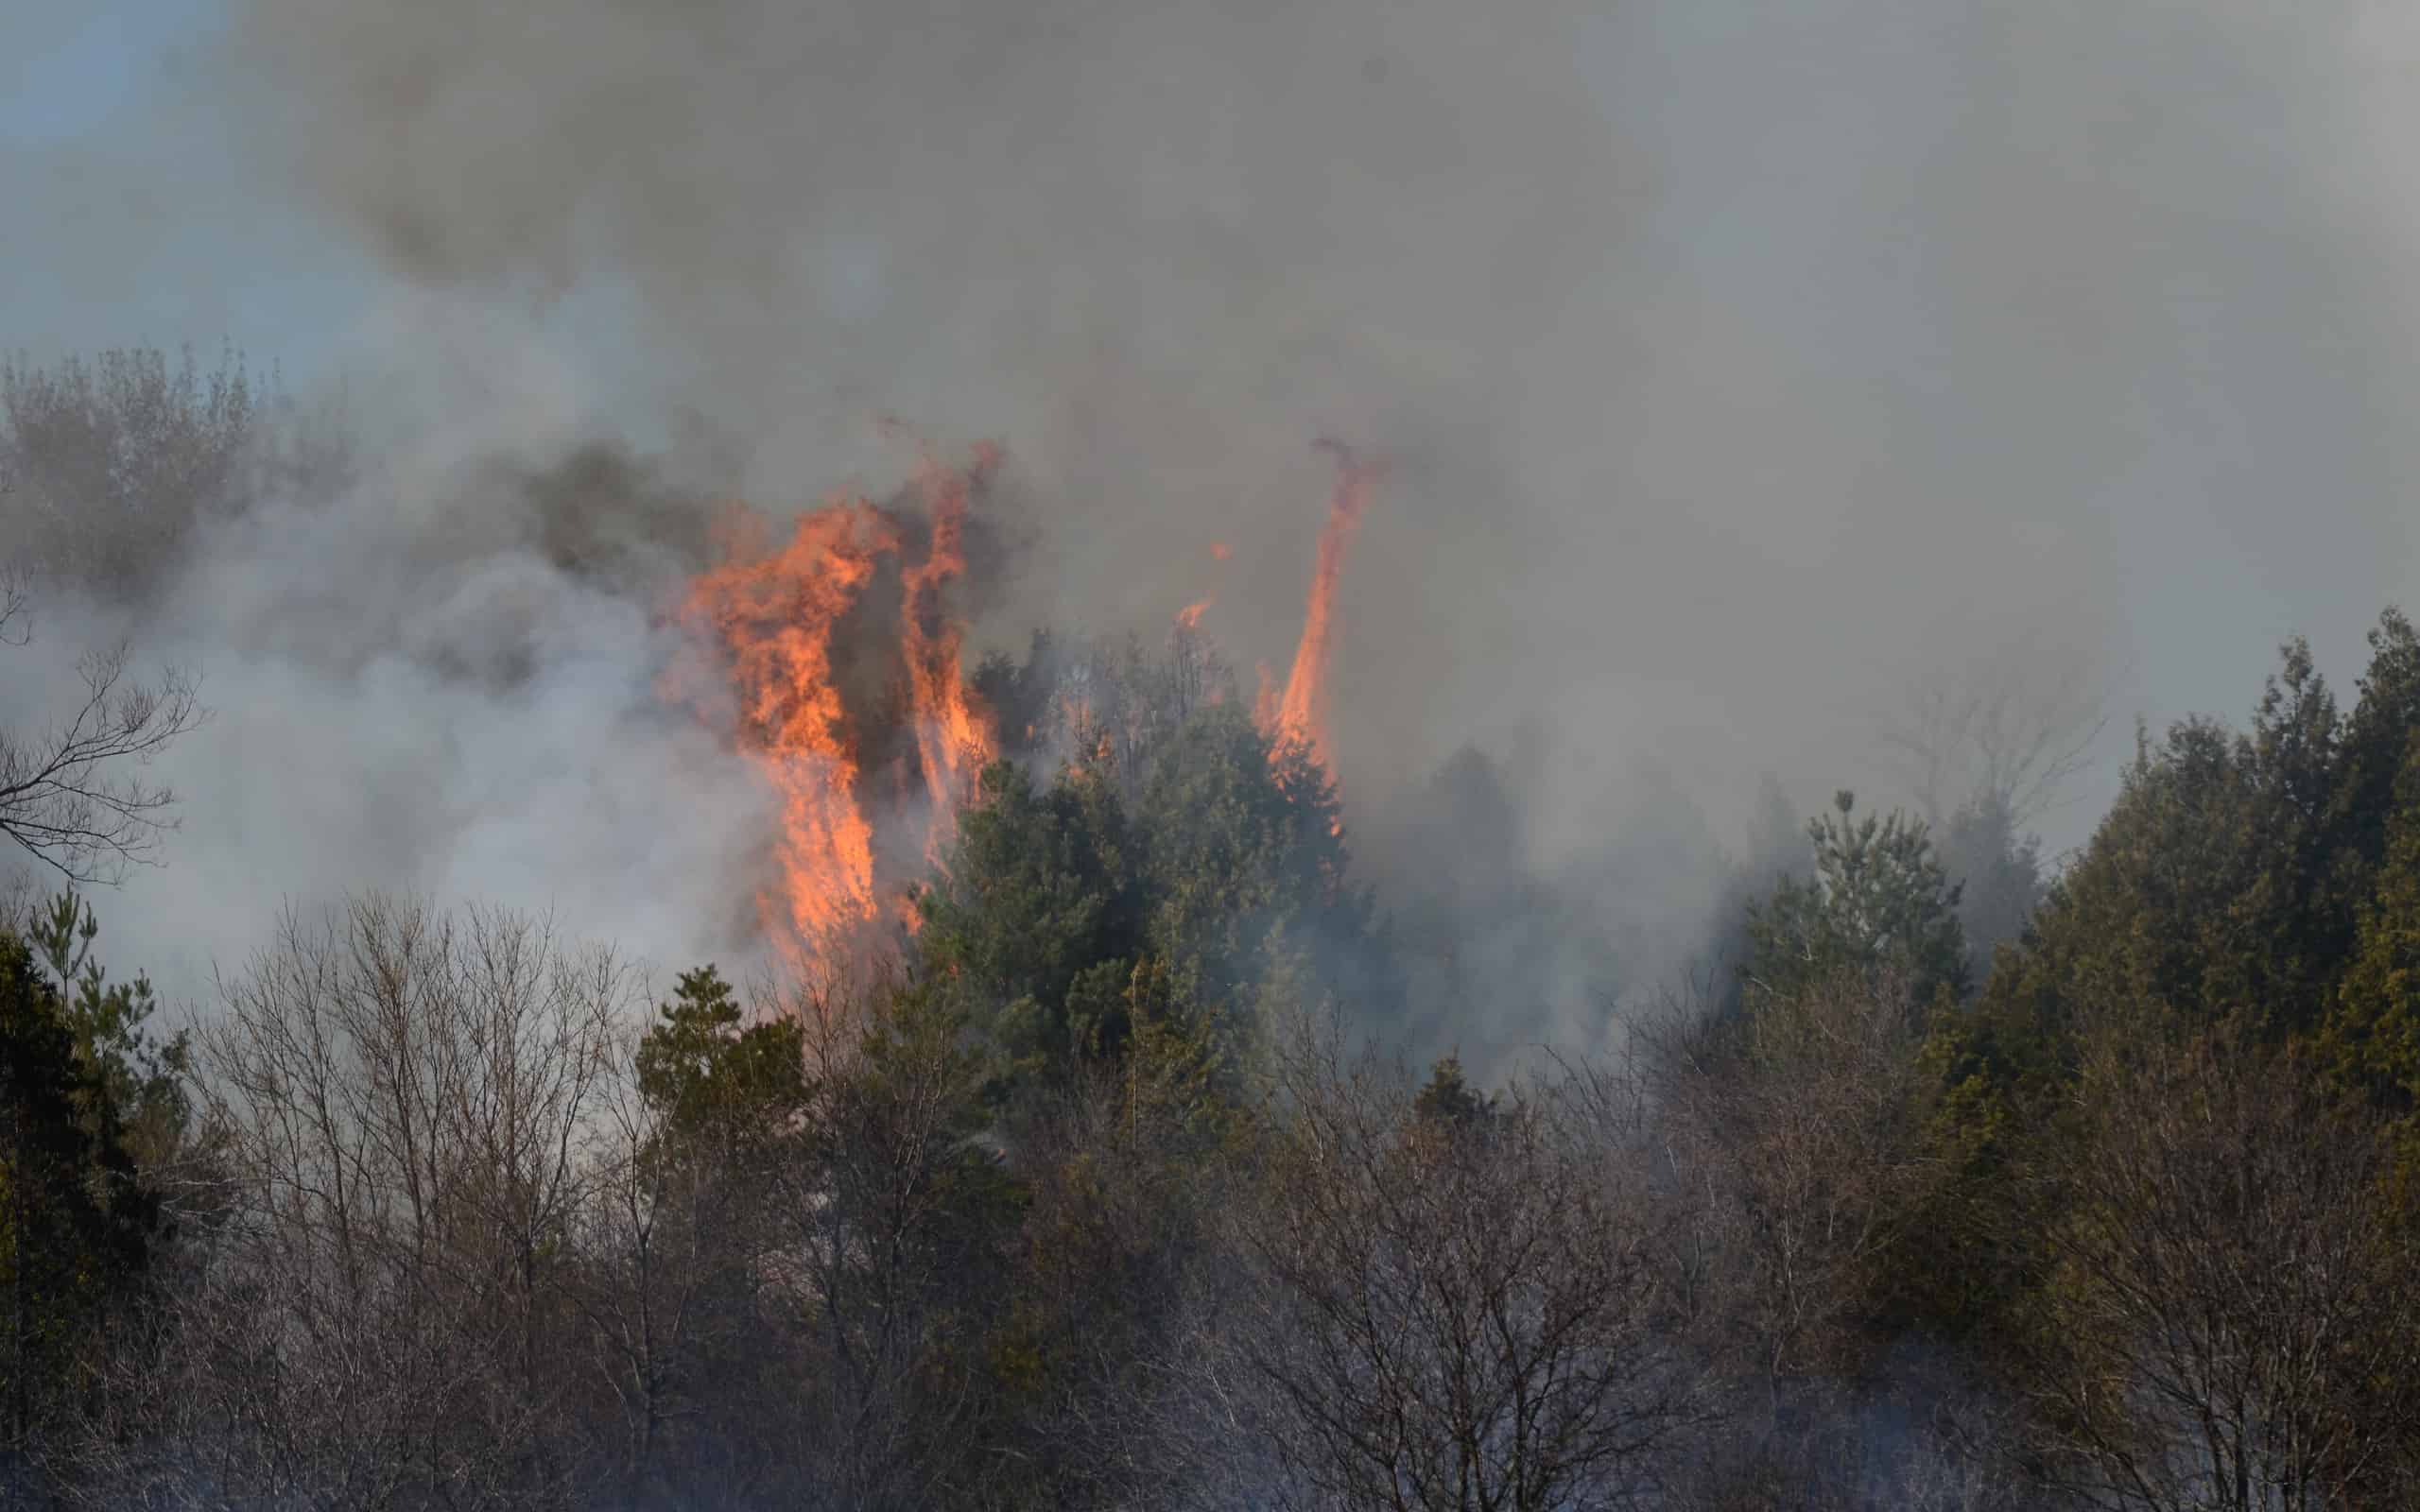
{"x": 66, "y": 793}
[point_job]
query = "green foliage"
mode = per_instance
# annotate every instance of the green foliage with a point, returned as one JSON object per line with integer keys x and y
{"x": 2299, "y": 888}
{"x": 1111, "y": 942}
{"x": 2225, "y": 886}
{"x": 910, "y": 1098}
{"x": 1244, "y": 851}
{"x": 2373, "y": 748}
{"x": 2364, "y": 894}
{"x": 1879, "y": 902}
{"x": 2373, "y": 1035}
{"x": 1039, "y": 916}
{"x": 2262, "y": 889}
{"x": 146, "y": 1080}
{"x": 710, "y": 1075}
{"x": 77, "y": 1219}
{"x": 1221, "y": 898}
{"x": 1126, "y": 1173}
{"x": 1448, "y": 1099}
{"x": 1971, "y": 1252}
{"x": 2154, "y": 917}
{"x": 1879, "y": 923}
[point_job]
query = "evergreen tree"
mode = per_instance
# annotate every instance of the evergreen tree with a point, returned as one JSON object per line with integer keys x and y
{"x": 144, "y": 1080}
{"x": 78, "y": 1222}
{"x": 1998, "y": 873}
{"x": 1244, "y": 856}
{"x": 2374, "y": 1033}
{"x": 1878, "y": 902}
{"x": 2225, "y": 884}
{"x": 1038, "y": 918}
{"x": 1225, "y": 887}
{"x": 2373, "y": 747}
{"x": 1449, "y": 1099}
{"x": 713, "y": 1076}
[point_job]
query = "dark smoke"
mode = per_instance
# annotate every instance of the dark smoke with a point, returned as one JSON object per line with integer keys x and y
{"x": 1737, "y": 367}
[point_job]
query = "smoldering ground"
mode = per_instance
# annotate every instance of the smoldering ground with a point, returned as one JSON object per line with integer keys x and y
{"x": 1738, "y": 367}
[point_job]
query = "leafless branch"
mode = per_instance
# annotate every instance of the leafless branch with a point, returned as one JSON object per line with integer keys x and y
{"x": 2013, "y": 733}
{"x": 2233, "y": 1326}
{"x": 67, "y": 794}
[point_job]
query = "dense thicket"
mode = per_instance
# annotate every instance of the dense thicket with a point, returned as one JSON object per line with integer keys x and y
{"x": 1958, "y": 1189}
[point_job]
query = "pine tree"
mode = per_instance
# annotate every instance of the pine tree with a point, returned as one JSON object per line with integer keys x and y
{"x": 711, "y": 1077}
{"x": 79, "y": 1220}
{"x": 1878, "y": 902}
{"x": 1037, "y": 919}
{"x": 1447, "y": 1097}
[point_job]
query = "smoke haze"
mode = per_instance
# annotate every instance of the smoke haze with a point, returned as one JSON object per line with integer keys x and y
{"x": 1735, "y": 365}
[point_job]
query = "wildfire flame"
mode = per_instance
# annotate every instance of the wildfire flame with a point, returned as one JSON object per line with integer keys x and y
{"x": 784, "y": 621}
{"x": 954, "y": 738}
{"x": 1299, "y": 715}
{"x": 863, "y": 723}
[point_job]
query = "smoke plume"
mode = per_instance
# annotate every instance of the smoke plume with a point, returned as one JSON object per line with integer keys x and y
{"x": 1733, "y": 368}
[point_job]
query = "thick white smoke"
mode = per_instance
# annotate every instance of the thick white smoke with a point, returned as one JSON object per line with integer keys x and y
{"x": 413, "y": 685}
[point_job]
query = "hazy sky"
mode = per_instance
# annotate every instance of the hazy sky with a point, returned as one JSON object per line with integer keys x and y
{"x": 1743, "y": 362}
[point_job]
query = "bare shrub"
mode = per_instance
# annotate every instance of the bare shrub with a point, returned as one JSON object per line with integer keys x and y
{"x": 1440, "y": 1310}
{"x": 402, "y": 1099}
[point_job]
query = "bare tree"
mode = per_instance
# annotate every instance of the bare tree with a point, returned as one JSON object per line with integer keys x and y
{"x": 1805, "y": 1125}
{"x": 1988, "y": 750}
{"x": 1477, "y": 1306}
{"x": 1806, "y": 1121}
{"x": 644, "y": 1236}
{"x": 405, "y": 1100}
{"x": 896, "y": 1215}
{"x": 2006, "y": 735}
{"x": 73, "y": 794}
{"x": 2231, "y": 1325}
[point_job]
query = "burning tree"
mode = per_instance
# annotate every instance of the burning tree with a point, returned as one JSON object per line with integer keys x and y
{"x": 842, "y": 660}
{"x": 1300, "y": 713}
{"x": 835, "y": 658}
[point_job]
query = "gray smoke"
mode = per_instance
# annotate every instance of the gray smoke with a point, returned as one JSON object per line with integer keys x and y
{"x": 440, "y": 679}
{"x": 1740, "y": 366}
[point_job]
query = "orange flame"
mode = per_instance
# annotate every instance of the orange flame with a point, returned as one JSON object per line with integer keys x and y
{"x": 773, "y": 618}
{"x": 1300, "y": 713}
{"x": 954, "y": 738}
{"x": 855, "y": 781}
{"x": 774, "y": 615}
